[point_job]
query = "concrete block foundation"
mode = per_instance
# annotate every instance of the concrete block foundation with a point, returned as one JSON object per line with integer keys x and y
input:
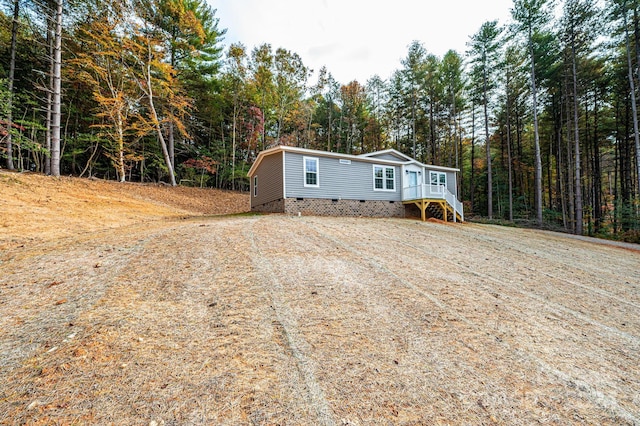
{"x": 326, "y": 207}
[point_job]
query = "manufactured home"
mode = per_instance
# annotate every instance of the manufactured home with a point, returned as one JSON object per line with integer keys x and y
{"x": 385, "y": 183}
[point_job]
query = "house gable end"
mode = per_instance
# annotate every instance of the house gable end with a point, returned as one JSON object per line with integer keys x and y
{"x": 388, "y": 154}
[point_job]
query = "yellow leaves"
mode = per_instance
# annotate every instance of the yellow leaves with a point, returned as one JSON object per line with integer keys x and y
{"x": 143, "y": 125}
{"x": 125, "y": 59}
{"x": 192, "y": 22}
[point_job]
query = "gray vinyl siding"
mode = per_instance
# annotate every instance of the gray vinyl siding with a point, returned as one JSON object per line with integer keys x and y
{"x": 337, "y": 181}
{"x": 451, "y": 183}
{"x": 269, "y": 174}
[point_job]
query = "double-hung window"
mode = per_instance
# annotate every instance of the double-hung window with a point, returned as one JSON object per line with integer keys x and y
{"x": 255, "y": 186}
{"x": 311, "y": 175}
{"x": 438, "y": 178}
{"x": 384, "y": 178}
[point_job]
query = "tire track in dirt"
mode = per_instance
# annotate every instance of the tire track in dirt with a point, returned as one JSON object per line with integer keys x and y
{"x": 374, "y": 355}
{"x": 604, "y": 401}
{"x": 197, "y": 328}
{"x": 47, "y": 315}
{"x": 182, "y": 333}
{"x": 488, "y": 237}
{"x": 633, "y": 339}
{"x": 296, "y": 342}
{"x": 517, "y": 269}
{"x": 360, "y": 255}
{"x": 56, "y": 291}
{"x": 603, "y": 342}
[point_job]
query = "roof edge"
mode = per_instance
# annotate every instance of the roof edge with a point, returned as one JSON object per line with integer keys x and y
{"x": 362, "y": 157}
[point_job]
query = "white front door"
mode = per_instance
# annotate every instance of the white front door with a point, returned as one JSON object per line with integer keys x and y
{"x": 413, "y": 184}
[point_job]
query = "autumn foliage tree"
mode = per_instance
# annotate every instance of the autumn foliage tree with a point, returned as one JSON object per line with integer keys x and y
{"x": 102, "y": 65}
{"x": 540, "y": 123}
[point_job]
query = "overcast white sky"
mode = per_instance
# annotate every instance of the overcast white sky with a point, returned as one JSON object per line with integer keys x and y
{"x": 356, "y": 39}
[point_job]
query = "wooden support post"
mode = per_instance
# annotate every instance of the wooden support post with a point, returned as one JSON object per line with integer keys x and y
{"x": 424, "y": 204}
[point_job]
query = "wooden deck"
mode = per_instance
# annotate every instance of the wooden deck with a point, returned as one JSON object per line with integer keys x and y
{"x": 436, "y": 199}
{"x": 424, "y": 203}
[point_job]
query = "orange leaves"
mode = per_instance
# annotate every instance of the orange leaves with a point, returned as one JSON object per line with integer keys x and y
{"x": 204, "y": 163}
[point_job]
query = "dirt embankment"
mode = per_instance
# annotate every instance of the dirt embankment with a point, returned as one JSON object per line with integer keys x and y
{"x": 36, "y": 207}
{"x": 134, "y": 317}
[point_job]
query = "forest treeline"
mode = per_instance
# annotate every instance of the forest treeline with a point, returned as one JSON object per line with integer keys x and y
{"x": 540, "y": 114}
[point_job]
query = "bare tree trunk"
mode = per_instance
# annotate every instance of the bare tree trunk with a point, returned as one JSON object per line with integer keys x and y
{"x": 329, "y": 129}
{"x": 280, "y": 120}
{"x": 233, "y": 143}
{"x": 12, "y": 69}
{"x": 455, "y": 134}
{"x": 307, "y": 143}
{"x": 413, "y": 124}
{"x": 570, "y": 177}
{"x": 561, "y": 186}
{"x": 487, "y": 145}
{"x": 171, "y": 145}
{"x": 57, "y": 91}
{"x": 147, "y": 89}
{"x": 432, "y": 133}
{"x": 472, "y": 180}
{"x": 264, "y": 122}
{"x": 597, "y": 183}
{"x": 49, "y": 89}
{"x": 88, "y": 165}
{"x": 156, "y": 123}
{"x": 339, "y": 136}
{"x": 633, "y": 93}
{"x": 509, "y": 157}
{"x": 538, "y": 165}
{"x": 120, "y": 165}
{"x": 578, "y": 184}
{"x": 142, "y": 164}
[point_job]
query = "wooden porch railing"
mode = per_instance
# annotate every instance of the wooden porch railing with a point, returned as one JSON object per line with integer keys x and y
{"x": 425, "y": 192}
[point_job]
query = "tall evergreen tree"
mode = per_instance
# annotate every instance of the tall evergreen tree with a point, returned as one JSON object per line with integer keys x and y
{"x": 577, "y": 32}
{"x": 413, "y": 75}
{"x": 484, "y": 52}
{"x": 453, "y": 81}
{"x": 12, "y": 69}
{"x": 529, "y": 17}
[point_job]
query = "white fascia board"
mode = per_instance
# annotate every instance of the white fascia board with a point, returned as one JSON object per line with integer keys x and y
{"x": 389, "y": 151}
{"x": 363, "y": 158}
{"x": 284, "y": 176}
{"x": 261, "y": 155}
{"x": 337, "y": 155}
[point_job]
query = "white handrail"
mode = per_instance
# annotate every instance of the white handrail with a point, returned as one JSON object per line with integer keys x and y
{"x": 421, "y": 191}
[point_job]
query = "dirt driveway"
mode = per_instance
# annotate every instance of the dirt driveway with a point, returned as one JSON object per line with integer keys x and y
{"x": 308, "y": 320}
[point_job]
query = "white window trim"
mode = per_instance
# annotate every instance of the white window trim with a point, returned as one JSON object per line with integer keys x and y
{"x": 384, "y": 178}
{"x": 255, "y": 186}
{"x": 438, "y": 174}
{"x": 304, "y": 172}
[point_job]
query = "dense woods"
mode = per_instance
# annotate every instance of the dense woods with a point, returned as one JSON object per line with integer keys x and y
{"x": 540, "y": 114}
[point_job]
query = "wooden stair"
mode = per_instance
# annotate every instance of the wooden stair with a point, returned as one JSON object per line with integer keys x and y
{"x": 438, "y": 209}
